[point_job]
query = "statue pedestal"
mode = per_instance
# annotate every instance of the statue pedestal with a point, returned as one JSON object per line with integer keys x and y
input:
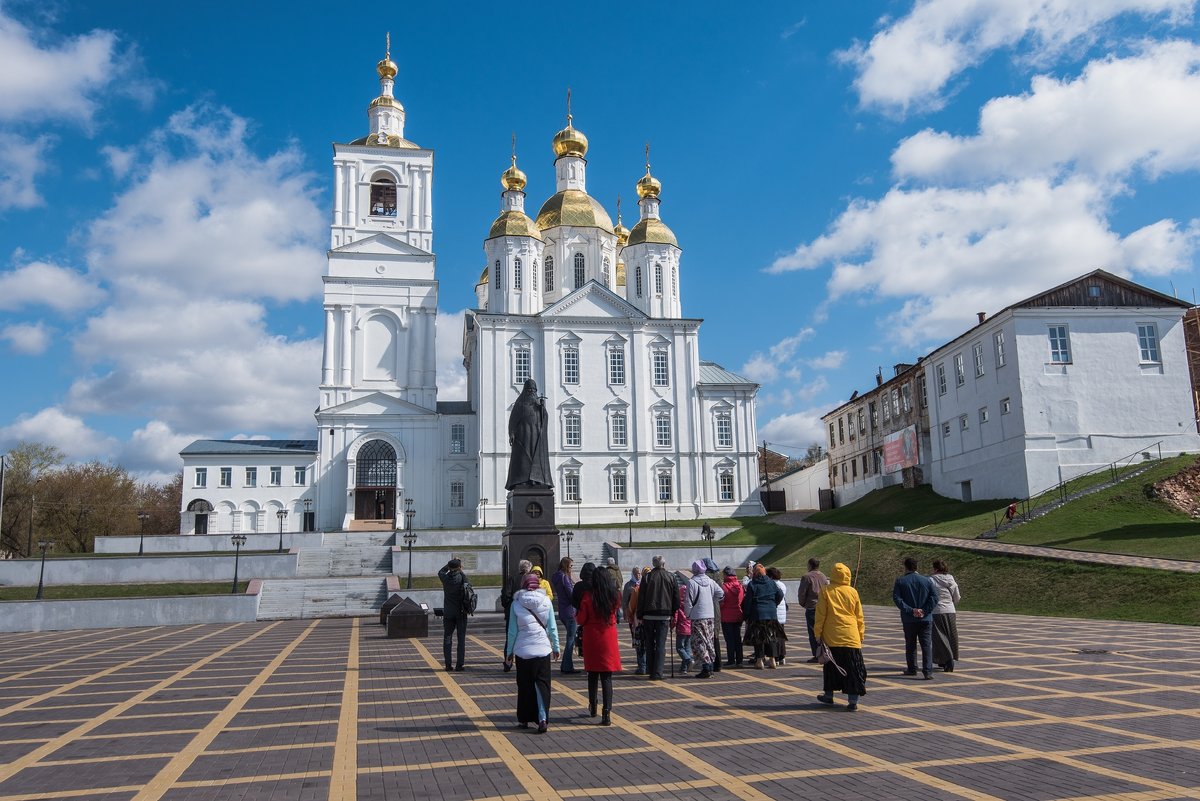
{"x": 531, "y": 532}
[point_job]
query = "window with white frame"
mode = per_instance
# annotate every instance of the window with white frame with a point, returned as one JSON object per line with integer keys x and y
{"x": 580, "y": 272}
{"x": 201, "y": 477}
{"x": 922, "y": 391}
{"x": 572, "y": 429}
{"x": 941, "y": 379}
{"x": 725, "y": 485}
{"x": 862, "y": 422}
{"x": 570, "y": 361}
{"x": 906, "y": 396}
{"x": 516, "y": 274}
{"x": 724, "y": 430}
{"x": 522, "y": 365}
{"x": 458, "y": 438}
{"x": 617, "y": 492}
{"x": 618, "y": 429}
{"x": 896, "y": 403}
{"x": 226, "y": 477}
{"x": 549, "y": 274}
{"x": 637, "y": 274}
{"x": 533, "y": 274}
{"x": 616, "y": 364}
{"x": 661, "y": 370}
{"x": 662, "y": 429}
{"x": 1148, "y": 342}
{"x": 964, "y": 422}
{"x": 571, "y": 486}
{"x": 1060, "y": 346}
{"x": 1005, "y": 406}
{"x": 887, "y": 409}
{"x": 276, "y": 476}
{"x": 251, "y": 476}
{"x": 850, "y": 424}
{"x": 665, "y": 486}
{"x": 674, "y": 281}
{"x": 945, "y": 429}
{"x": 874, "y": 415}
{"x": 960, "y": 370}
{"x": 842, "y": 431}
{"x": 499, "y": 276}
{"x": 998, "y": 338}
{"x": 832, "y": 436}
{"x": 978, "y": 353}
{"x": 457, "y": 494}
{"x": 300, "y": 478}
{"x": 983, "y": 414}
{"x": 604, "y": 271}
{"x": 658, "y": 280}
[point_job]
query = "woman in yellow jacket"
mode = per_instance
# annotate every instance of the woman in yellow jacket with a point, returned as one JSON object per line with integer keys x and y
{"x": 839, "y": 624}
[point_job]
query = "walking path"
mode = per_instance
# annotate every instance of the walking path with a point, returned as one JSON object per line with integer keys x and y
{"x": 797, "y": 519}
{"x": 1037, "y": 709}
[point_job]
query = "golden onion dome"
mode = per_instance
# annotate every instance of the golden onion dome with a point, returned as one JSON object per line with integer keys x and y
{"x": 484, "y": 277}
{"x": 622, "y": 233}
{"x": 648, "y": 186}
{"x": 384, "y": 100}
{"x": 620, "y": 273}
{"x": 372, "y": 140}
{"x": 570, "y": 141}
{"x": 514, "y": 223}
{"x": 386, "y": 68}
{"x": 573, "y": 207}
{"x": 653, "y": 231}
{"x": 513, "y": 180}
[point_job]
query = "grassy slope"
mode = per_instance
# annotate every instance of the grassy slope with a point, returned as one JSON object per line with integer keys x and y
{"x": 992, "y": 583}
{"x": 53, "y": 592}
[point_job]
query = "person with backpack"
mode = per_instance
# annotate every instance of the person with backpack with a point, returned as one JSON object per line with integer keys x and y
{"x": 458, "y": 601}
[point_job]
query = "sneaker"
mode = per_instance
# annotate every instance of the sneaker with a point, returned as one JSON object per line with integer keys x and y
{"x": 912, "y": 672}
{"x": 851, "y": 707}
{"x": 927, "y": 676}
{"x": 704, "y": 674}
{"x": 543, "y": 726}
{"x": 825, "y": 699}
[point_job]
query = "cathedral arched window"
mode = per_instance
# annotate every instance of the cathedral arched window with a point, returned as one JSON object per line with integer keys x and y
{"x": 638, "y": 280}
{"x": 674, "y": 282}
{"x": 383, "y": 196}
{"x": 658, "y": 280}
{"x": 580, "y": 272}
{"x": 498, "y": 278}
{"x": 549, "y": 273}
{"x": 534, "y": 275}
{"x": 516, "y": 274}
{"x": 604, "y": 271}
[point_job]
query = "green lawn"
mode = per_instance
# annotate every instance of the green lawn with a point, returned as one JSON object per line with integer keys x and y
{"x": 993, "y": 583}
{"x": 919, "y": 509}
{"x": 53, "y": 592}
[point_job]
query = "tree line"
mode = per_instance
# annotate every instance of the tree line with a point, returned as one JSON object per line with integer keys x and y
{"x": 47, "y": 498}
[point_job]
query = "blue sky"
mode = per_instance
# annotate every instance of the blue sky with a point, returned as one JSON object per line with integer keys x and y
{"x": 850, "y": 183}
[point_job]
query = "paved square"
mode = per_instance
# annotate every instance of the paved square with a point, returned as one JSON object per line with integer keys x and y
{"x": 1039, "y": 709}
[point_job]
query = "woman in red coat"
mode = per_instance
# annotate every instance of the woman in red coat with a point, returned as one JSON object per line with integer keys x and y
{"x": 597, "y": 615}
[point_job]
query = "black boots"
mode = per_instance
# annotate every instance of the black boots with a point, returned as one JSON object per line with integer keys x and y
{"x": 606, "y": 720}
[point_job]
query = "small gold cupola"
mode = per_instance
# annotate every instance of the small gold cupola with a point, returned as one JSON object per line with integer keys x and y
{"x": 648, "y": 186}
{"x": 620, "y": 230}
{"x": 569, "y": 141}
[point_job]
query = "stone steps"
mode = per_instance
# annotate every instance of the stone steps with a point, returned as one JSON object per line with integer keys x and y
{"x": 328, "y": 597}
{"x": 352, "y": 560}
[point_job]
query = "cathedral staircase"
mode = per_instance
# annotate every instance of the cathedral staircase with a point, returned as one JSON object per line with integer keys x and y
{"x": 346, "y": 577}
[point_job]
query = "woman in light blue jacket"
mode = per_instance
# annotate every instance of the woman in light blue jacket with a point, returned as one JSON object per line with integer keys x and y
{"x": 532, "y": 642}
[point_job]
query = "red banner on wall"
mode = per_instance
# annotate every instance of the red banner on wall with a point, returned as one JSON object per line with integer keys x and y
{"x": 900, "y": 450}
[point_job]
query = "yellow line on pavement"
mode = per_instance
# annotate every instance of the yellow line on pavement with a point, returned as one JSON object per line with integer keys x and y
{"x": 170, "y": 773}
{"x": 343, "y": 785}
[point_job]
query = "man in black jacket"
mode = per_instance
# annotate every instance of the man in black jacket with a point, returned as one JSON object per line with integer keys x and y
{"x": 658, "y": 599}
{"x": 454, "y": 614}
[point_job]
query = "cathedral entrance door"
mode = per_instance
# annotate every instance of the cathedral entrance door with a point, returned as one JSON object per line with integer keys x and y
{"x": 375, "y": 482}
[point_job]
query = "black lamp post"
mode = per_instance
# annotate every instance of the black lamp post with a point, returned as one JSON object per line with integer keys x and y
{"x": 629, "y": 513}
{"x": 708, "y": 534}
{"x": 238, "y": 541}
{"x": 579, "y": 512}
{"x": 282, "y": 515}
{"x": 409, "y": 514}
{"x": 308, "y": 526}
{"x": 142, "y": 518}
{"x": 410, "y": 540}
{"x": 483, "y": 502}
{"x": 665, "y": 499}
{"x": 43, "y": 544}
{"x": 567, "y": 537}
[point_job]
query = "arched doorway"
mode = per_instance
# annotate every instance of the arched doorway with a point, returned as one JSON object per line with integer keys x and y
{"x": 201, "y": 509}
{"x": 375, "y": 482}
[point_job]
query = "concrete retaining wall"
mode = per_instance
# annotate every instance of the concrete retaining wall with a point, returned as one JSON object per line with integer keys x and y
{"x": 208, "y": 542}
{"x": 145, "y": 569}
{"x": 682, "y": 558}
{"x": 126, "y": 612}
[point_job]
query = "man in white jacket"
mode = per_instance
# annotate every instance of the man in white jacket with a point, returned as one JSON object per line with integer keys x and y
{"x": 701, "y": 601}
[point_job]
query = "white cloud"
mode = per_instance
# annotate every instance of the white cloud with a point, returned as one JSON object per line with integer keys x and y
{"x": 30, "y": 339}
{"x": 1141, "y": 112}
{"x": 42, "y": 283}
{"x": 55, "y": 427}
{"x": 765, "y": 368}
{"x": 21, "y": 161}
{"x": 830, "y": 361}
{"x": 152, "y": 451}
{"x": 794, "y": 430}
{"x": 451, "y": 377}
{"x": 813, "y": 388}
{"x": 208, "y": 216}
{"x": 761, "y": 369}
{"x": 912, "y": 59}
{"x": 120, "y": 160}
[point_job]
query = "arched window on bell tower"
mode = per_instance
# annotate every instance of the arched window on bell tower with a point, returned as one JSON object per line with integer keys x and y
{"x": 604, "y": 271}
{"x": 549, "y": 274}
{"x": 580, "y": 272}
{"x": 517, "y": 274}
{"x": 383, "y": 196}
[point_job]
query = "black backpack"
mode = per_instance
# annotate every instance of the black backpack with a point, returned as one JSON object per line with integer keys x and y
{"x": 470, "y": 600}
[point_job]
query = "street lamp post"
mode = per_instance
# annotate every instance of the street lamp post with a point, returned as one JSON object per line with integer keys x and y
{"x": 666, "y": 499}
{"x": 282, "y": 515}
{"x": 410, "y": 539}
{"x": 409, "y": 514}
{"x": 483, "y": 502}
{"x": 238, "y": 541}
{"x": 307, "y": 515}
{"x": 708, "y": 534}
{"x": 43, "y": 544}
{"x": 567, "y": 537}
{"x": 579, "y": 511}
{"x": 629, "y": 513}
{"x": 142, "y": 518}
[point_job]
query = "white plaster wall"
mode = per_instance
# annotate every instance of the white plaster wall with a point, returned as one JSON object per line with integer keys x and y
{"x": 145, "y": 569}
{"x": 209, "y": 542}
{"x": 288, "y": 495}
{"x": 110, "y": 613}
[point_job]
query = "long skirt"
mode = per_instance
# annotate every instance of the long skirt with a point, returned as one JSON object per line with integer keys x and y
{"x": 533, "y": 689}
{"x": 767, "y": 637}
{"x": 855, "y": 680}
{"x": 945, "y": 639}
{"x": 702, "y": 642}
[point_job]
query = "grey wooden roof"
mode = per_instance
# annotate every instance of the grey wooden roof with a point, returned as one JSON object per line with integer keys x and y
{"x": 246, "y": 446}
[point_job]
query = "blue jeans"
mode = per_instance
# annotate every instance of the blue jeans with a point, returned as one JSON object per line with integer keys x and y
{"x": 810, "y": 619}
{"x": 568, "y": 651}
{"x": 683, "y": 647}
{"x": 918, "y": 630}
{"x": 655, "y": 633}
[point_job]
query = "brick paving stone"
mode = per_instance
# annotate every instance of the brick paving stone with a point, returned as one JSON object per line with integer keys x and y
{"x": 55, "y": 778}
{"x": 1033, "y": 779}
{"x": 1174, "y": 765}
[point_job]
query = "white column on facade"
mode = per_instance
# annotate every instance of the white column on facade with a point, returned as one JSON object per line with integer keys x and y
{"x": 415, "y": 180}
{"x": 347, "y": 335}
{"x": 328, "y": 354}
{"x": 428, "y": 360}
{"x": 416, "y": 355}
{"x": 426, "y": 211}
{"x": 339, "y": 196}
{"x": 352, "y": 191}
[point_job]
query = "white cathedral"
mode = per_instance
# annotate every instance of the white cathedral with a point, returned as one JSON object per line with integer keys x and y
{"x": 640, "y": 426}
